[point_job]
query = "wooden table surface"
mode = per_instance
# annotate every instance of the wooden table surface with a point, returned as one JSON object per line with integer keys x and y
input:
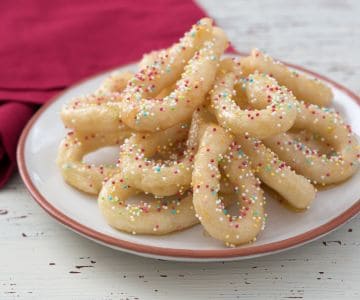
{"x": 40, "y": 259}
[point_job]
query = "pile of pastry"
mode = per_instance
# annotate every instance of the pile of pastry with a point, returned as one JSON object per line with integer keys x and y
{"x": 200, "y": 134}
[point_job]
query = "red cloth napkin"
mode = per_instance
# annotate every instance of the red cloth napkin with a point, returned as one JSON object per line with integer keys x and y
{"x": 46, "y": 46}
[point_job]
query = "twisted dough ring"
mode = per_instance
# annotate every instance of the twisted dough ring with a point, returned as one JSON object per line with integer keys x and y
{"x": 294, "y": 188}
{"x": 307, "y": 89}
{"x": 152, "y": 216}
{"x": 159, "y": 69}
{"x": 319, "y": 167}
{"x": 233, "y": 230}
{"x": 115, "y": 82}
{"x": 315, "y": 142}
{"x": 302, "y": 138}
{"x": 197, "y": 69}
{"x": 276, "y": 114}
{"x": 74, "y": 147}
{"x": 83, "y": 112}
{"x": 161, "y": 178}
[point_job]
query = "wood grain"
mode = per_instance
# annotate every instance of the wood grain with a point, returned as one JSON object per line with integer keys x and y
{"x": 40, "y": 259}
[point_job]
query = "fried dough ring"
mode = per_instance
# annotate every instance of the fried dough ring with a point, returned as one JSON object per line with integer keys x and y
{"x": 294, "y": 188}
{"x": 105, "y": 108}
{"x": 320, "y": 168}
{"x": 85, "y": 177}
{"x": 276, "y": 115}
{"x": 158, "y": 177}
{"x": 304, "y": 88}
{"x": 197, "y": 69}
{"x": 115, "y": 82}
{"x": 303, "y": 138}
{"x": 98, "y": 108}
{"x": 155, "y": 217}
{"x": 315, "y": 142}
{"x": 208, "y": 206}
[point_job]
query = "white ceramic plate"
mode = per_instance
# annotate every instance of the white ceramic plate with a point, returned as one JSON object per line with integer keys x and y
{"x": 36, "y": 157}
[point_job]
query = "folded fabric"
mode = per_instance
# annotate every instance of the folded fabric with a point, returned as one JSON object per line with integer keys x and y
{"x": 13, "y": 117}
{"x": 49, "y": 45}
